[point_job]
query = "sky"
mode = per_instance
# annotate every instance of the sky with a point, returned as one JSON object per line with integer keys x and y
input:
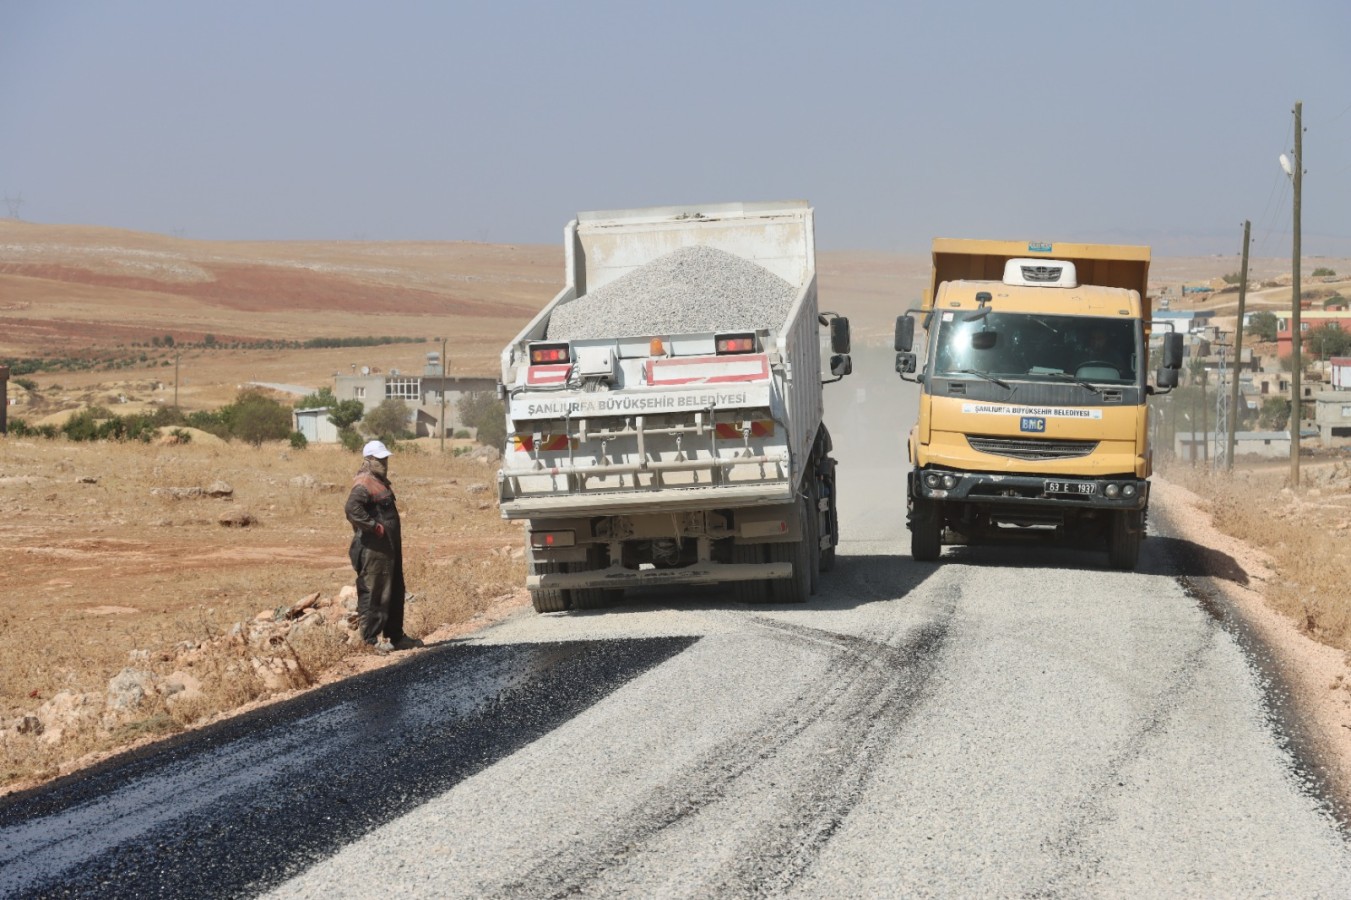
{"x": 1142, "y": 122}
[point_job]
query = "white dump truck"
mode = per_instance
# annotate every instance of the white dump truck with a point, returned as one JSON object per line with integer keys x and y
{"x": 664, "y": 409}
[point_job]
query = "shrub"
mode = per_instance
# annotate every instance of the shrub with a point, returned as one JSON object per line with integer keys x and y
{"x": 324, "y": 397}
{"x": 255, "y": 417}
{"x": 482, "y": 411}
{"x": 1233, "y": 278}
{"x": 1323, "y": 272}
{"x": 388, "y": 421}
{"x": 27, "y": 384}
{"x": 461, "y": 434}
{"x": 299, "y": 441}
{"x": 351, "y": 439}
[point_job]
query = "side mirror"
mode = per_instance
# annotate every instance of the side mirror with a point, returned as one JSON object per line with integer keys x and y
{"x": 905, "y": 334}
{"x": 841, "y": 364}
{"x": 1166, "y": 378}
{"x": 905, "y": 363}
{"x": 839, "y": 335}
{"x": 1172, "y": 351}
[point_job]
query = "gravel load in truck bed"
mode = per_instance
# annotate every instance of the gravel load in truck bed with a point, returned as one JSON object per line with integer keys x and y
{"x": 691, "y": 290}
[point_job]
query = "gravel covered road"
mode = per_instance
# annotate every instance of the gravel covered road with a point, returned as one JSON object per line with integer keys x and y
{"x": 1008, "y": 721}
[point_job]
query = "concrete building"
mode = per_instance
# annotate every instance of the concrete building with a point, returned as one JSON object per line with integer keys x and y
{"x": 314, "y": 424}
{"x": 1309, "y": 319}
{"x": 1198, "y": 446}
{"x": 1332, "y": 416}
{"x": 426, "y": 394}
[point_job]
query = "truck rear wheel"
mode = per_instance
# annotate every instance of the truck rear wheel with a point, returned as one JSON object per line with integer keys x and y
{"x": 926, "y": 530}
{"x": 751, "y": 592}
{"x": 1123, "y": 540}
{"x": 812, "y": 523}
{"x": 597, "y": 558}
{"x": 548, "y": 600}
{"x": 796, "y": 588}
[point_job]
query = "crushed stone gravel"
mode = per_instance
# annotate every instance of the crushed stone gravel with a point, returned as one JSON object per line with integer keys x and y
{"x": 688, "y": 291}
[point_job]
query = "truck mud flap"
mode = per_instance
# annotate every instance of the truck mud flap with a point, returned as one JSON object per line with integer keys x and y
{"x": 700, "y": 573}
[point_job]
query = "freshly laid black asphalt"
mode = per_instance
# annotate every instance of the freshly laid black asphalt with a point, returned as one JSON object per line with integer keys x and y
{"x": 237, "y": 808}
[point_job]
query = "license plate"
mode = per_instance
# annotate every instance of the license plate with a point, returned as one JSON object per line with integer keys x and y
{"x": 1080, "y": 488}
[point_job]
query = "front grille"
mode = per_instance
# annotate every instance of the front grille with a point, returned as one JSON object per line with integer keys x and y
{"x": 1031, "y": 448}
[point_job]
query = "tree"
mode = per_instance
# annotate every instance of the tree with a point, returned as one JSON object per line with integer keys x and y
{"x": 1262, "y": 325}
{"x": 388, "y": 421}
{"x": 1274, "y": 414}
{"x": 1327, "y": 341}
{"x": 482, "y": 411}
{"x": 346, "y": 413}
{"x": 1323, "y": 272}
{"x": 255, "y": 417}
{"x": 320, "y": 399}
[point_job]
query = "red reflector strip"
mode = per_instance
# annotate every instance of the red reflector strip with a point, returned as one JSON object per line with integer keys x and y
{"x": 526, "y": 442}
{"x": 547, "y": 374}
{"x": 708, "y": 369}
{"x": 732, "y": 430}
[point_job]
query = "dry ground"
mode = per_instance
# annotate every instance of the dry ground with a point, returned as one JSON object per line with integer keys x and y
{"x": 103, "y": 575}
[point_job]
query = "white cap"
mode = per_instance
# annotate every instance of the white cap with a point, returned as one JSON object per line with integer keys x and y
{"x": 376, "y": 449}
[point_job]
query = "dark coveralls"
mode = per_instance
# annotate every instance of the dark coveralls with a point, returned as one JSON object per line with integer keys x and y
{"x": 378, "y": 561}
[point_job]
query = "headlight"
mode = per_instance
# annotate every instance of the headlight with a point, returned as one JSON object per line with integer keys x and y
{"x": 949, "y": 481}
{"x": 1128, "y": 490}
{"x": 1112, "y": 491}
{"x": 931, "y": 479}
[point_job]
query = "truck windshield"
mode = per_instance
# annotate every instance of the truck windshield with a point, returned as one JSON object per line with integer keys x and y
{"x": 1032, "y": 346}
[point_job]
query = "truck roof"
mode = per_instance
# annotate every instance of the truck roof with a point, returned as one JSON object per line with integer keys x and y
{"x": 1107, "y": 265}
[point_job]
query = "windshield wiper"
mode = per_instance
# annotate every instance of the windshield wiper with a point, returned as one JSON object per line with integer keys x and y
{"x": 987, "y": 376}
{"x": 1079, "y": 381}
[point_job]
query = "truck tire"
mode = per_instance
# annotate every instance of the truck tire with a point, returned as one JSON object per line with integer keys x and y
{"x": 1123, "y": 540}
{"x": 597, "y": 558}
{"x": 812, "y": 527}
{"x": 797, "y": 588}
{"x": 550, "y": 599}
{"x": 926, "y": 530}
{"x": 750, "y": 592}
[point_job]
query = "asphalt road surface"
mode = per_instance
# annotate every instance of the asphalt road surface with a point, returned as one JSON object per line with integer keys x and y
{"x": 1008, "y": 721}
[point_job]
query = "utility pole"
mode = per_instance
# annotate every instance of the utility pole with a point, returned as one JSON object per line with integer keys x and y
{"x": 1222, "y": 429}
{"x": 442, "y": 420}
{"x": 176, "y": 380}
{"x": 1296, "y": 362}
{"x": 1238, "y": 347}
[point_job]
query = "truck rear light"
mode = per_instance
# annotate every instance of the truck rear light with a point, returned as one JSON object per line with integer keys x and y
{"x": 655, "y": 348}
{"x": 735, "y": 343}
{"x": 544, "y": 540}
{"x": 546, "y": 354}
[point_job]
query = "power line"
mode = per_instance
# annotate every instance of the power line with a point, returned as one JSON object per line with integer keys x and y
{"x": 14, "y": 203}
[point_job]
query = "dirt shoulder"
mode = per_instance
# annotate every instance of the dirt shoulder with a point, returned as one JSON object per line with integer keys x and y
{"x": 1316, "y": 674}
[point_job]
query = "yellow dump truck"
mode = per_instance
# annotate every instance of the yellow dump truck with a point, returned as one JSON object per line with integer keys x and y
{"x": 1032, "y": 413}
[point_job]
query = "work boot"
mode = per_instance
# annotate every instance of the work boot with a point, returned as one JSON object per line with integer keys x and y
{"x": 383, "y": 646}
{"x": 407, "y": 643}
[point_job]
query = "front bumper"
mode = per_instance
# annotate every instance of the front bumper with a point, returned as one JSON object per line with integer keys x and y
{"x": 999, "y": 489}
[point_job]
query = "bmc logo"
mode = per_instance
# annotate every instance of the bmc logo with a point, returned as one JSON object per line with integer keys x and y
{"x": 1034, "y": 423}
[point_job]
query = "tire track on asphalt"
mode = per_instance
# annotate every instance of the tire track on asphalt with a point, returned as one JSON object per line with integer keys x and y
{"x": 868, "y": 691}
